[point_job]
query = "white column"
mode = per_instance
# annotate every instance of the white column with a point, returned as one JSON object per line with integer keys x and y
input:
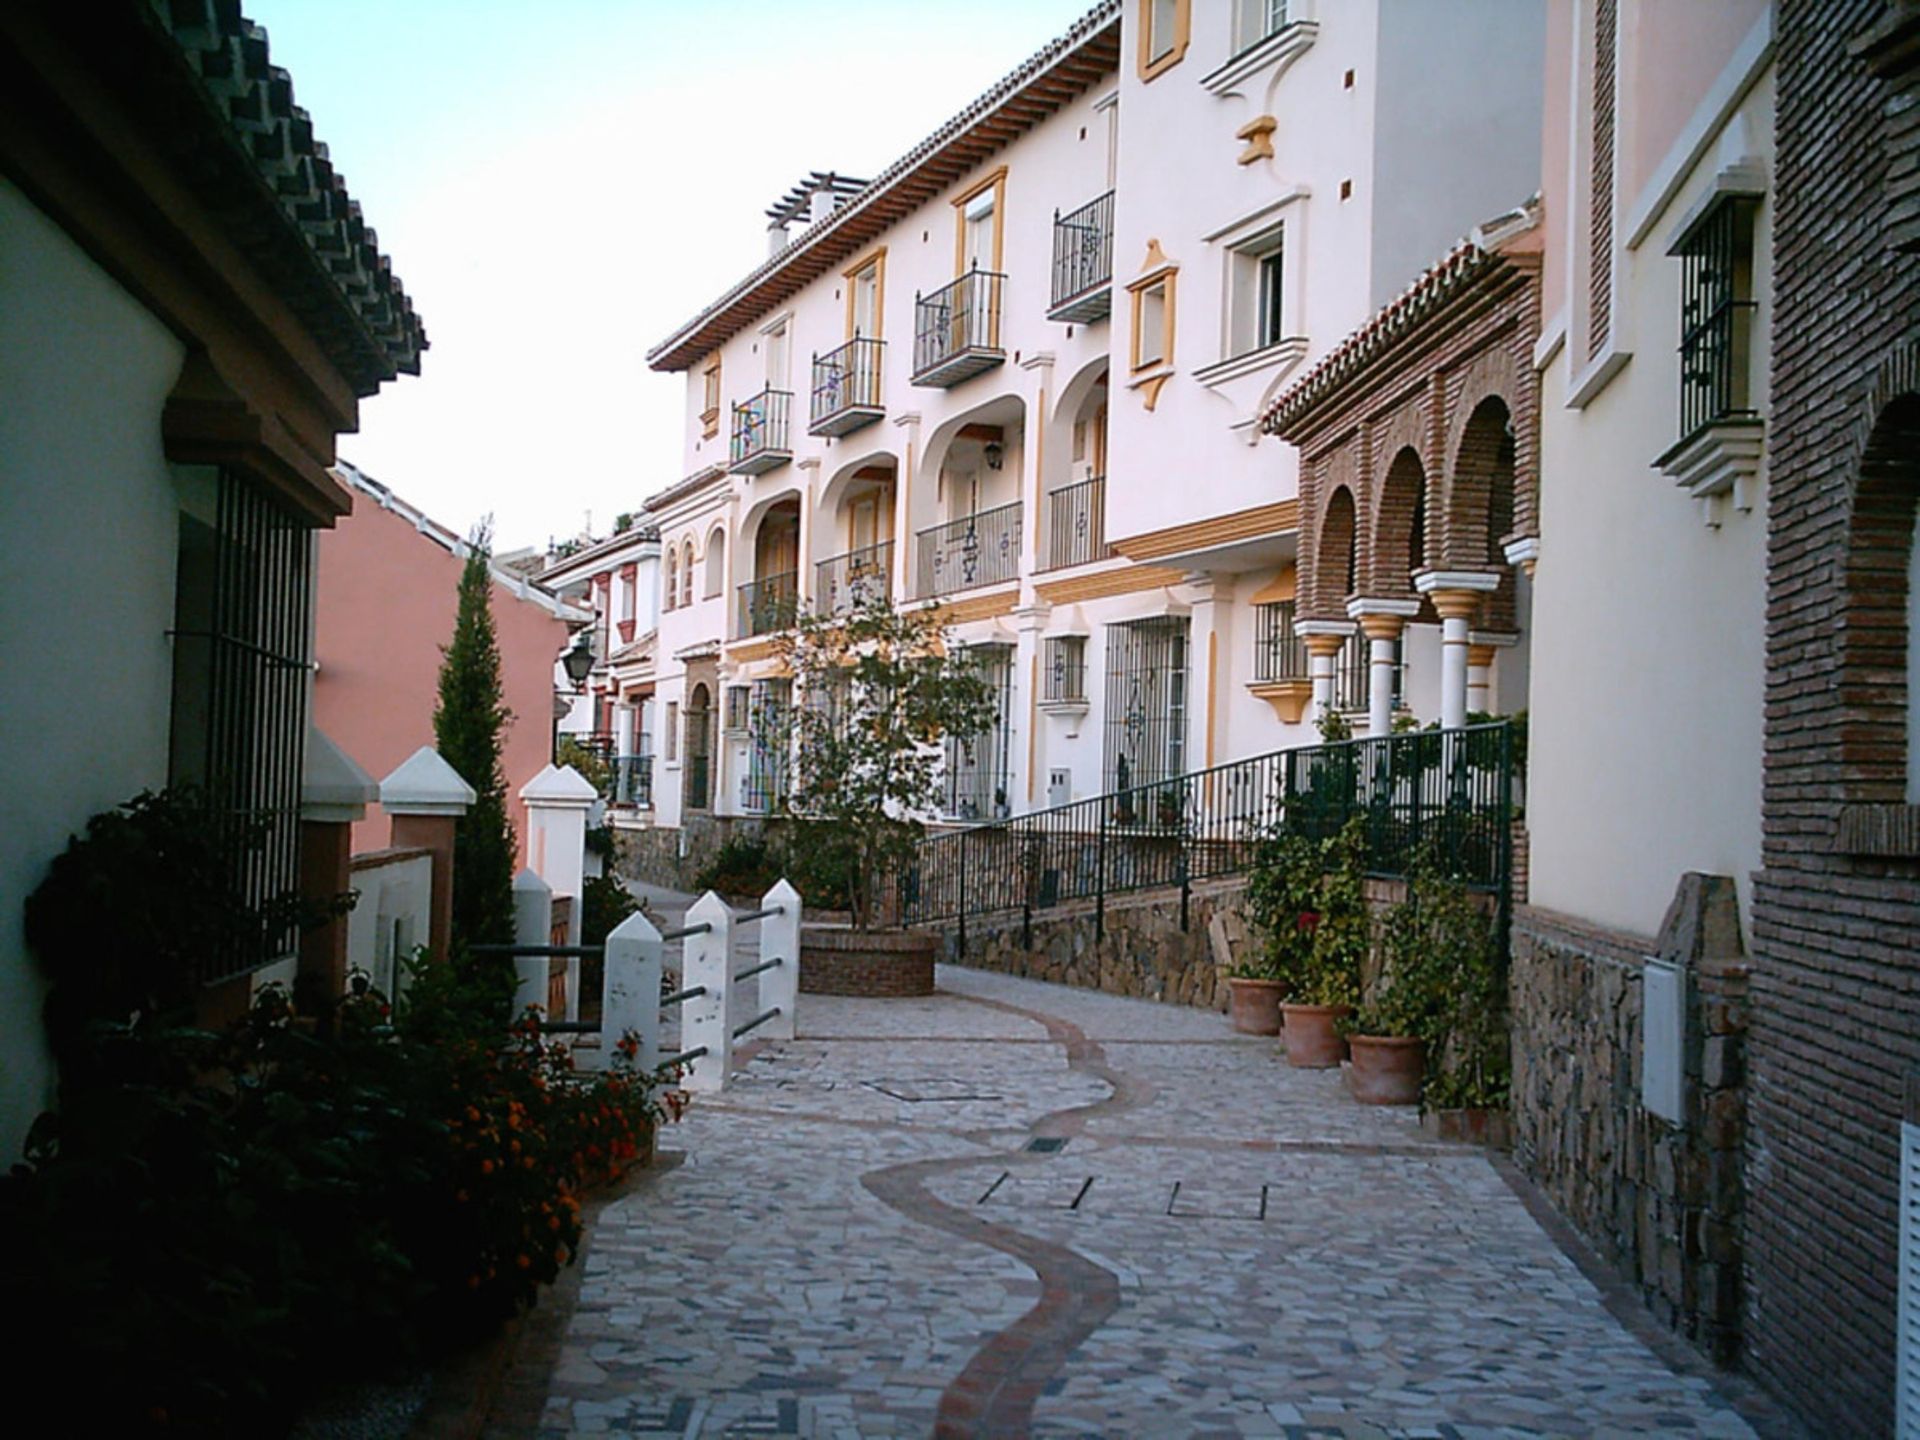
{"x": 1322, "y": 639}
{"x": 1033, "y": 450}
{"x": 707, "y": 1020}
{"x": 1381, "y": 621}
{"x": 630, "y": 991}
{"x": 780, "y": 940}
{"x": 1029, "y": 621}
{"x": 557, "y": 801}
{"x": 532, "y": 925}
{"x": 803, "y": 579}
{"x": 903, "y": 485}
{"x": 1212, "y": 658}
{"x": 1457, "y": 596}
{"x": 1479, "y": 678}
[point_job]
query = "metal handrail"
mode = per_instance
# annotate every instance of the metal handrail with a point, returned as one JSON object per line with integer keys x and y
{"x": 978, "y": 549}
{"x": 760, "y": 969}
{"x": 536, "y": 952}
{"x": 685, "y": 930}
{"x": 764, "y": 912}
{"x": 685, "y": 1057}
{"x": 680, "y": 997}
{"x": 756, "y": 1022}
{"x": 1083, "y": 249}
{"x": 847, "y": 378}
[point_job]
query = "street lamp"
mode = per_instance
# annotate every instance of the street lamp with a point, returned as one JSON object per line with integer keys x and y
{"x": 579, "y": 660}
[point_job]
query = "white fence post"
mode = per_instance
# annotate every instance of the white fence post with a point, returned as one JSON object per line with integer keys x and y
{"x": 532, "y": 925}
{"x": 630, "y": 991}
{"x": 780, "y": 940}
{"x": 708, "y": 1019}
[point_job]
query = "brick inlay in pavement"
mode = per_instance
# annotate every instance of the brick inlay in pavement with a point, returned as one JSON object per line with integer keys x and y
{"x": 860, "y": 1242}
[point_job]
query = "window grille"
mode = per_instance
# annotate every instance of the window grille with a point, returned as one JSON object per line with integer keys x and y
{"x": 765, "y": 783}
{"x": 737, "y": 703}
{"x": 698, "y": 787}
{"x": 239, "y": 723}
{"x": 1146, "y": 715}
{"x": 1065, "y": 662}
{"x": 977, "y": 768}
{"x": 1350, "y": 674}
{"x": 1716, "y": 315}
{"x": 1278, "y": 653}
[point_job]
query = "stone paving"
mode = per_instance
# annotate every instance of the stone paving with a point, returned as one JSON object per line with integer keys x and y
{"x": 859, "y": 1242}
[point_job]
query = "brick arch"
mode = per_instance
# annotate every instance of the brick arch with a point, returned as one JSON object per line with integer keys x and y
{"x": 1398, "y": 541}
{"x": 1480, "y": 488}
{"x": 1337, "y": 548}
{"x": 1875, "y": 688}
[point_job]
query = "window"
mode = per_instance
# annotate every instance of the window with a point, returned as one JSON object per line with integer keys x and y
{"x": 864, "y": 292}
{"x": 716, "y": 564}
{"x": 697, "y": 788}
{"x": 764, "y": 786}
{"x": 736, "y": 708}
{"x": 1152, "y": 321}
{"x": 1256, "y": 20}
{"x": 673, "y": 578}
{"x": 1716, "y": 314}
{"x": 1256, "y": 282}
{"x": 239, "y": 715}
{"x": 710, "y": 404}
{"x": 977, "y": 769}
{"x": 1065, "y": 660}
{"x": 1278, "y": 653}
{"x": 672, "y": 736}
{"x": 776, "y": 336}
{"x": 1352, "y": 674}
{"x": 1146, "y": 720}
{"x": 1164, "y": 29}
{"x": 686, "y": 574}
{"x": 979, "y": 214}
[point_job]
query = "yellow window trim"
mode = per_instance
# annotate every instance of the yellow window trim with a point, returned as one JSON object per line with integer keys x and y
{"x": 996, "y": 181}
{"x": 1166, "y": 275}
{"x": 877, "y": 259}
{"x": 710, "y": 383}
{"x": 1182, "y": 34}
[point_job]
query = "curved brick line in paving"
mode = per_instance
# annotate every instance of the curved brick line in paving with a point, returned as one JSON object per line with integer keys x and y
{"x": 996, "y": 1392}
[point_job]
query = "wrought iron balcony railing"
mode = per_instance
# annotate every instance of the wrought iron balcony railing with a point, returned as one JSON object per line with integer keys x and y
{"x": 846, "y": 387}
{"x": 1083, "y": 262}
{"x": 1077, "y": 524}
{"x": 846, "y": 582}
{"x": 956, "y": 330}
{"x": 769, "y": 604}
{"x": 760, "y": 433}
{"x": 982, "y": 549}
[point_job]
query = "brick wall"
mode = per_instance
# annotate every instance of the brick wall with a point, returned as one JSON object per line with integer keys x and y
{"x": 1663, "y": 1204}
{"x": 1835, "y": 935}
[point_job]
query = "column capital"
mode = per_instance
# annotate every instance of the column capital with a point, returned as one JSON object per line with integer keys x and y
{"x": 1433, "y": 582}
{"x": 1362, "y": 606}
{"x": 1524, "y": 552}
{"x": 1032, "y": 616}
{"x": 1211, "y": 584}
{"x": 1378, "y": 625}
{"x": 1479, "y": 656}
{"x": 1325, "y": 639}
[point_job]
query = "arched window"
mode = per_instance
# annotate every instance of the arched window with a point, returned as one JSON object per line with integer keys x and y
{"x": 673, "y": 579}
{"x": 686, "y": 574}
{"x": 716, "y": 563}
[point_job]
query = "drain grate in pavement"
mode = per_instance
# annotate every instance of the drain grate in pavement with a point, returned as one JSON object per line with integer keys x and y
{"x": 921, "y": 1089}
{"x": 1048, "y": 1144}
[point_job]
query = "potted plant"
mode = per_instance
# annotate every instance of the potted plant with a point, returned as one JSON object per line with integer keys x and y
{"x": 876, "y": 692}
{"x": 1308, "y": 901}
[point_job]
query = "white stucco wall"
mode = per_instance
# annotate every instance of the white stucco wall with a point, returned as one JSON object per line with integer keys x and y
{"x": 1649, "y": 626}
{"x": 88, "y": 526}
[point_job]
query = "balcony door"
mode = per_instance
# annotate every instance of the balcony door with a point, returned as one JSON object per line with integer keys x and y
{"x": 866, "y": 301}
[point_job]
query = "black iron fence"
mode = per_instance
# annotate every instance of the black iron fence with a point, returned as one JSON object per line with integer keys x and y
{"x": 1450, "y": 792}
{"x": 846, "y": 380}
{"x": 957, "y": 319}
{"x": 1077, "y": 524}
{"x": 1082, "y": 251}
{"x": 769, "y": 604}
{"x": 979, "y": 549}
{"x": 760, "y": 428}
{"x": 846, "y": 582}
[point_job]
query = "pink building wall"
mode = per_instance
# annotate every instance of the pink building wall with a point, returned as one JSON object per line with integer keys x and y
{"x": 387, "y": 596}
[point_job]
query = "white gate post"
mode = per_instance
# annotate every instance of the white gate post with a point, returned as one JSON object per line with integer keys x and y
{"x": 707, "y": 1019}
{"x": 557, "y": 801}
{"x": 532, "y": 925}
{"x": 780, "y": 940}
{"x": 630, "y": 991}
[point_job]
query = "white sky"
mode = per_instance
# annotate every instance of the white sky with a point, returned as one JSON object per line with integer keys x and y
{"x": 559, "y": 185}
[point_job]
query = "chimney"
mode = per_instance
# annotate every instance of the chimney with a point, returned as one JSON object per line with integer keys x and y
{"x": 776, "y": 238}
{"x": 824, "y": 201}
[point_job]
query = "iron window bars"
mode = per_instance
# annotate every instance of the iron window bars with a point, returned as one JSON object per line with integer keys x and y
{"x": 1083, "y": 261}
{"x": 1077, "y": 524}
{"x": 978, "y": 549}
{"x": 1146, "y": 712}
{"x": 1716, "y": 315}
{"x": 1065, "y": 669}
{"x": 1278, "y": 653}
{"x": 977, "y": 771}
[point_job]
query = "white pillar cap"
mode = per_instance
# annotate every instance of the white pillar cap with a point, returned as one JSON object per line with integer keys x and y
{"x": 425, "y": 784}
{"x": 333, "y": 787}
{"x": 559, "y": 787}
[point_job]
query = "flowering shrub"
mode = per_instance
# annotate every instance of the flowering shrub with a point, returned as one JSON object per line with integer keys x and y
{"x": 212, "y": 1223}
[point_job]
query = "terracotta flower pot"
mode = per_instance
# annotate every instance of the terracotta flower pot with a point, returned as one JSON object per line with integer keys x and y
{"x": 1255, "y": 1006}
{"x": 1312, "y": 1042}
{"x": 1387, "y": 1069}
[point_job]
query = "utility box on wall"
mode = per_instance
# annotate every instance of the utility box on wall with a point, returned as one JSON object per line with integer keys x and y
{"x": 1663, "y": 1039}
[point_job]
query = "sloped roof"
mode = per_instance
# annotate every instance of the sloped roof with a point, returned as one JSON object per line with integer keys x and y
{"x": 198, "y": 74}
{"x": 1015, "y": 104}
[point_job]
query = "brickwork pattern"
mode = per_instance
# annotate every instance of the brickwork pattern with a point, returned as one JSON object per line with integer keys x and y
{"x": 1606, "y": 17}
{"x": 846, "y": 962}
{"x": 1834, "y": 1027}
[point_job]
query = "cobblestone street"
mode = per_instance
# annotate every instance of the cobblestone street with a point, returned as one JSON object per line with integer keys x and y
{"x": 1016, "y": 1208}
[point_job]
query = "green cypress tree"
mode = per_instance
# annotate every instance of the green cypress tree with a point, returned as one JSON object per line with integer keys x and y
{"x": 467, "y": 725}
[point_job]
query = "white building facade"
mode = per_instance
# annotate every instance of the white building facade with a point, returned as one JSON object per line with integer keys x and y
{"x": 1019, "y": 375}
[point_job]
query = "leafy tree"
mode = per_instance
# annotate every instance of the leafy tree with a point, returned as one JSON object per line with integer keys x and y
{"x": 467, "y": 725}
{"x": 877, "y": 691}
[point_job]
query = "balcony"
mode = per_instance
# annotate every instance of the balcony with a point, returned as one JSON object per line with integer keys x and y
{"x": 769, "y": 605}
{"x": 846, "y": 582}
{"x": 956, "y": 330}
{"x": 760, "y": 433}
{"x": 846, "y": 387}
{"x": 1077, "y": 524}
{"x": 633, "y": 781}
{"x": 1083, "y": 262}
{"x": 982, "y": 549}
